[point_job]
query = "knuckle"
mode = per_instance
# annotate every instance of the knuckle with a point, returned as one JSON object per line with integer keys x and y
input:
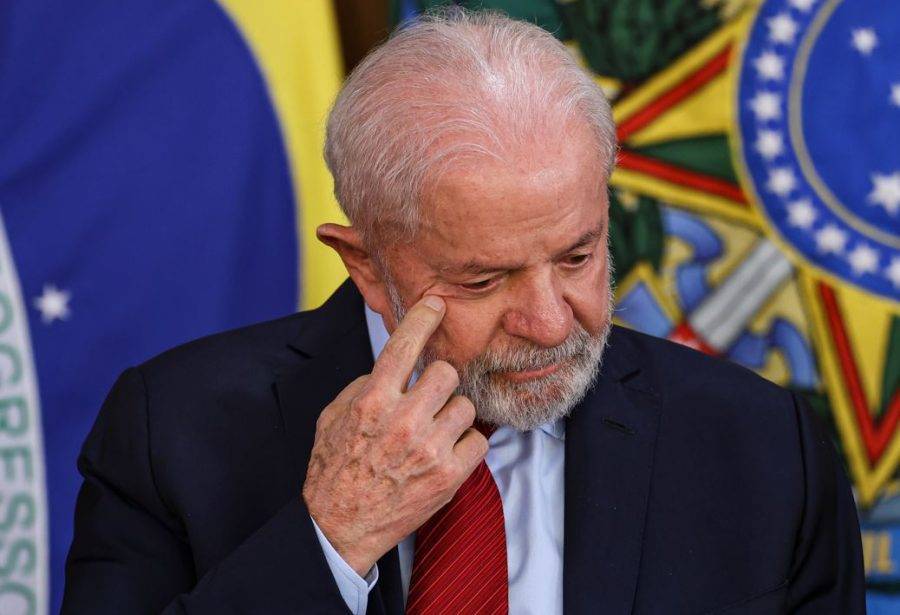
{"x": 445, "y": 372}
{"x": 445, "y": 477}
{"x": 367, "y": 404}
{"x": 429, "y": 453}
{"x": 360, "y": 381}
{"x": 403, "y": 345}
{"x": 464, "y": 408}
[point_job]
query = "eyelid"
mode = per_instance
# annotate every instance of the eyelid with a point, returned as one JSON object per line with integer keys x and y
{"x": 583, "y": 256}
{"x": 490, "y": 283}
{"x": 578, "y": 254}
{"x": 477, "y": 282}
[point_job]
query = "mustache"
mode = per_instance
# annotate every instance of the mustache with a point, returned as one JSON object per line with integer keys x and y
{"x": 532, "y": 357}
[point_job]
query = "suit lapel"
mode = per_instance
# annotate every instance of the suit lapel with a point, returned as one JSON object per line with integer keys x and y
{"x": 333, "y": 349}
{"x": 610, "y": 440}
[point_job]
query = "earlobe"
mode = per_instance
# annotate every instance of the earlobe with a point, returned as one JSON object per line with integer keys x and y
{"x": 362, "y": 267}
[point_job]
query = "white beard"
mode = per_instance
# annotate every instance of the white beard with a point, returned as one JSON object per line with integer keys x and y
{"x": 526, "y": 405}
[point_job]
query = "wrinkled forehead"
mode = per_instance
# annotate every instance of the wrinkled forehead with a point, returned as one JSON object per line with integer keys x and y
{"x": 505, "y": 216}
{"x": 539, "y": 179}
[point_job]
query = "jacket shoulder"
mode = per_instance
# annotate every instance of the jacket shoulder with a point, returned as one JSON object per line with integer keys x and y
{"x": 226, "y": 357}
{"x": 723, "y": 425}
{"x": 674, "y": 371}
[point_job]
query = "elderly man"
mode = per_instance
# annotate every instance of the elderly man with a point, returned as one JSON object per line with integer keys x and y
{"x": 440, "y": 437}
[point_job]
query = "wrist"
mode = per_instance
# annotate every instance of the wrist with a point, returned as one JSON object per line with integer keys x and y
{"x": 362, "y": 562}
{"x": 349, "y": 549}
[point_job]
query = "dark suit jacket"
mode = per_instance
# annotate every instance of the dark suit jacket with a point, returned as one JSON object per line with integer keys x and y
{"x": 691, "y": 484}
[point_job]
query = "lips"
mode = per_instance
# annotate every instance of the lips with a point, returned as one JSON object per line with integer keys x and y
{"x": 532, "y": 374}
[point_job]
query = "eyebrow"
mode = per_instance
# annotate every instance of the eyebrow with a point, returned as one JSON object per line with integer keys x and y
{"x": 475, "y": 267}
{"x": 588, "y": 238}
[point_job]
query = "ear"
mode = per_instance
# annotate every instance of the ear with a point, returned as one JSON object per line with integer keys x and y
{"x": 362, "y": 267}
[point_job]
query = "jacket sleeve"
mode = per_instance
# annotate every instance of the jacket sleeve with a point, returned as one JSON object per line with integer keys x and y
{"x": 827, "y": 574}
{"x": 130, "y": 553}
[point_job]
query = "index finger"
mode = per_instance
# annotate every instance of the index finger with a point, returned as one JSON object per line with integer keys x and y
{"x": 398, "y": 358}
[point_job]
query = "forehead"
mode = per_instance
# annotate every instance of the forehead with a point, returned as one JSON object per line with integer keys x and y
{"x": 531, "y": 205}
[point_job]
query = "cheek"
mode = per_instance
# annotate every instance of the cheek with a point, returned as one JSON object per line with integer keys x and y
{"x": 589, "y": 299}
{"x": 465, "y": 332}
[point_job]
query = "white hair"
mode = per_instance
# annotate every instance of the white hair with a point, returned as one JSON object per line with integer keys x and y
{"x": 448, "y": 87}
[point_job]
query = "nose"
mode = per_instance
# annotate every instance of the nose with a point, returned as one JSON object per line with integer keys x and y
{"x": 540, "y": 313}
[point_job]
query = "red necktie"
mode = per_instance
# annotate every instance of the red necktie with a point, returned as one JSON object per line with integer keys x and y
{"x": 459, "y": 564}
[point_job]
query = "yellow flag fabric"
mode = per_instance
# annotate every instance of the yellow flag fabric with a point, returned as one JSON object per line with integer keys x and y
{"x": 297, "y": 47}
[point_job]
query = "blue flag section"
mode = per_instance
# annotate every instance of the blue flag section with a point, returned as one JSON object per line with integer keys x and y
{"x": 825, "y": 154}
{"x": 146, "y": 200}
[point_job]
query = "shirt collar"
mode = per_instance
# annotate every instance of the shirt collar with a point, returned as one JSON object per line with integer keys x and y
{"x": 378, "y": 337}
{"x": 556, "y": 429}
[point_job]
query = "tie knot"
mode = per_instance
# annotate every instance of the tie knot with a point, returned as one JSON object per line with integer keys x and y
{"x": 485, "y": 428}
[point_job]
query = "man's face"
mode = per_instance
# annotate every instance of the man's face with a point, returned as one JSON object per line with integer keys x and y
{"x": 519, "y": 254}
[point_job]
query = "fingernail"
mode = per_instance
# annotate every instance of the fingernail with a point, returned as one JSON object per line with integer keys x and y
{"x": 435, "y": 303}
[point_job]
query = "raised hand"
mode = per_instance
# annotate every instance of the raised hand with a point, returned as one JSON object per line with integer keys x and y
{"x": 385, "y": 459}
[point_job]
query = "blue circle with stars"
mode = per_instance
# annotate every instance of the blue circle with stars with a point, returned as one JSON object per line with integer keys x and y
{"x": 819, "y": 115}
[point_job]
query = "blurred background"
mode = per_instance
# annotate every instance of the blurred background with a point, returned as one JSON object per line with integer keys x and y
{"x": 161, "y": 177}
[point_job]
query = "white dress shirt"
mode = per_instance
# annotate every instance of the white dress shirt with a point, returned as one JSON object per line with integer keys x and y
{"x": 528, "y": 468}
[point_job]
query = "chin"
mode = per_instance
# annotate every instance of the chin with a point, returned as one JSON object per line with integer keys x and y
{"x": 527, "y": 405}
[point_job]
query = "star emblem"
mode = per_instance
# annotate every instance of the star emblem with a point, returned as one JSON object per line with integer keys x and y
{"x": 769, "y": 144}
{"x": 802, "y": 5}
{"x": 895, "y": 94}
{"x": 53, "y": 304}
{"x": 769, "y": 66}
{"x": 864, "y": 40}
{"x": 831, "y": 239}
{"x": 886, "y": 191}
{"x": 782, "y": 29}
{"x": 892, "y": 273}
{"x": 781, "y": 181}
{"x": 863, "y": 259}
{"x": 802, "y": 214}
{"x": 766, "y": 106}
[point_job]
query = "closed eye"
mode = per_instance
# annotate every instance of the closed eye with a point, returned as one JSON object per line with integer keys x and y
{"x": 480, "y": 285}
{"x": 574, "y": 261}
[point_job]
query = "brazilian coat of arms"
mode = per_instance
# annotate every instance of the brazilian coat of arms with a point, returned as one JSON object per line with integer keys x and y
{"x": 755, "y": 208}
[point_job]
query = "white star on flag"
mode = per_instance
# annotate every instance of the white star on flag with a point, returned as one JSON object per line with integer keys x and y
{"x": 831, "y": 239}
{"x": 769, "y": 144}
{"x": 766, "y": 106}
{"x": 864, "y": 40}
{"x": 802, "y": 214}
{"x": 892, "y": 273}
{"x": 863, "y": 259}
{"x": 802, "y": 5}
{"x": 886, "y": 191}
{"x": 782, "y": 29}
{"x": 781, "y": 181}
{"x": 769, "y": 66}
{"x": 895, "y": 94}
{"x": 53, "y": 304}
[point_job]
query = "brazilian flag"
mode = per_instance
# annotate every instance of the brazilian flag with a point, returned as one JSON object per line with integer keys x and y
{"x": 160, "y": 166}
